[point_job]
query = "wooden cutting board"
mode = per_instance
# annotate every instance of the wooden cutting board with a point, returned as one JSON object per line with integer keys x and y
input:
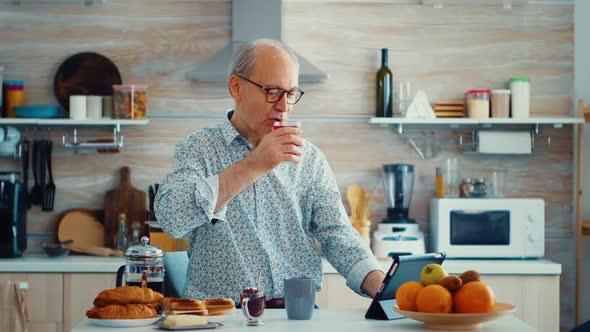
{"x": 124, "y": 198}
{"x": 82, "y": 227}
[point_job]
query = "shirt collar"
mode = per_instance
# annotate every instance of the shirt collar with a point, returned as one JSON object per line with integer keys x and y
{"x": 227, "y": 129}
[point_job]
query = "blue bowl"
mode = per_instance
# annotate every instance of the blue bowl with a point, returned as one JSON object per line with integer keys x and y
{"x": 39, "y": 112}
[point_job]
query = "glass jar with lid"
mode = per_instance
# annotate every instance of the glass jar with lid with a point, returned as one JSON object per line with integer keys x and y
{"x": 143, "y": 260}
{"x": 478, "y": 103}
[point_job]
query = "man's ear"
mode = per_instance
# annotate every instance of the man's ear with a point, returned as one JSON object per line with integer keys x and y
{"x": 235, "y": 88}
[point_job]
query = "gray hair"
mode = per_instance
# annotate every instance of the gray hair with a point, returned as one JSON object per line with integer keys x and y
{"x": 243, "y": 60}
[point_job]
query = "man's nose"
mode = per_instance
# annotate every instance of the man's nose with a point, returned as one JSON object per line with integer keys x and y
{"x": 282, "y": 104}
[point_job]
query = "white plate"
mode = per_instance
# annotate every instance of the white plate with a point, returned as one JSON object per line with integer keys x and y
{"x": 123, "y": 322}
{"x": 188, "y": 327}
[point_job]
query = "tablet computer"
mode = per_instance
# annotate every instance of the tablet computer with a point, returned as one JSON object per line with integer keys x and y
{"x": 403, "y": 268}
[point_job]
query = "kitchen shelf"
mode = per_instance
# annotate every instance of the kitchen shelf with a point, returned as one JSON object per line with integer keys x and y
{"x": 73, "y": 123}
{"x": 557, "y": 122}
{"x": 466, "y": 121}
{"x": 74, "y": 141}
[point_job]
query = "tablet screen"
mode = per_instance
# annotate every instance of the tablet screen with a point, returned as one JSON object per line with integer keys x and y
{"x": 403, "y": 268}
{"x": 406, "y": 268}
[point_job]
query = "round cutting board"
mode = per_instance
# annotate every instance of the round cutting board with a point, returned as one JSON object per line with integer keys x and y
{"x": 82, "y": 227}
{"x": 85, "y": 74}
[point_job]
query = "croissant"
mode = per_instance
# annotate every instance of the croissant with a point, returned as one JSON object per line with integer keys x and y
{"x": 127, "y": 311}
{"x": 127, "y": 295}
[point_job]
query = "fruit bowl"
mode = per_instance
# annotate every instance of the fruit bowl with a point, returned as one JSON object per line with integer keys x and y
{"x": 457, "y": 321}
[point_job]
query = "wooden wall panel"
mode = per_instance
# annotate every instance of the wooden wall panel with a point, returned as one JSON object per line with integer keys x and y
{"x": 441, "y": 51}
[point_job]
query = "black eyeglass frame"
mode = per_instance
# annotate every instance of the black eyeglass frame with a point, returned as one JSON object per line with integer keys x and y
{"x": 268, "y": 92}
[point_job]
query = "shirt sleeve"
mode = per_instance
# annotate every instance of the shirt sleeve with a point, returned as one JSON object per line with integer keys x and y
{"x": 207, "y": 194}
{"x": 187, "y": 197}
{"x": 341, "y": 244}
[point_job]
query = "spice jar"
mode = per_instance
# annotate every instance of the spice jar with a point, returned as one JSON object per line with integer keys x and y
{"x": 15, "y": 96}
{"x": 478, "y": 103}
{"x": 465, "y": 188}
{"x": 130, "y": 101}
{"x": 521, "y": 96}
{"x": 500, "y": 100}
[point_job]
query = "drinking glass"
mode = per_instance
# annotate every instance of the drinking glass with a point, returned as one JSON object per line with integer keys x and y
{"x": 451, "y": 174}
{"x": 497, "y": 189}
{"x": 280, "y": 124}
{"x": 253, "y": 307}
{"x": 404, "y": 97}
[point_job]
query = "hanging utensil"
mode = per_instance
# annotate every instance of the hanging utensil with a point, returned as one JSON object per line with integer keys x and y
{"x": 25, "y": 161}
{"x": 49, "y": 198}
{"x": 35, "y": 197}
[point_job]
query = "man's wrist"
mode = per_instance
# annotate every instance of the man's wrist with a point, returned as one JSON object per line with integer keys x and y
{"x": 373, "y": 282}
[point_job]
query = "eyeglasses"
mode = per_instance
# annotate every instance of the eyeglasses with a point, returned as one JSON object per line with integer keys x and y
{"x": 273, "y": 95}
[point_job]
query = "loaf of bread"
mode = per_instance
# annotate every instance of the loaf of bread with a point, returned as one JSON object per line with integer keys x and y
{"x": 126, "y": 311}
{"x": 127, "y": 295}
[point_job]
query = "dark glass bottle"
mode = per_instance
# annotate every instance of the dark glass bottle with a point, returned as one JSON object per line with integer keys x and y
{"x": 384, "y": 87}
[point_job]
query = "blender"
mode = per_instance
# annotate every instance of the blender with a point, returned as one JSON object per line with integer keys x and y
{"x": 398, "y": 234}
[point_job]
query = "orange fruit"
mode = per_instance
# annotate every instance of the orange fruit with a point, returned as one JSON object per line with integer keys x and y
{"x": 405, "y": 296}
{"x": 474, "y": 298}
{"x": 434, "y": 299}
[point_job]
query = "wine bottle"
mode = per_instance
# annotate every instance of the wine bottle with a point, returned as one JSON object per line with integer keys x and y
{"x": 384, "y": 87}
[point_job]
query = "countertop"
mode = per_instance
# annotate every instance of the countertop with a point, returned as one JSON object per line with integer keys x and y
{"x": 325, "y": 320}
{"x": 93, "y": 264}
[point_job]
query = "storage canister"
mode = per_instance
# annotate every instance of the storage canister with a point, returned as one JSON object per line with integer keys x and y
{"x": 15, "y": 96}
{"x": 500, "y": 103}
{"x": 521, "y": 96}
{"x": 478, "y": 103}
{"x": 130, "y": 101}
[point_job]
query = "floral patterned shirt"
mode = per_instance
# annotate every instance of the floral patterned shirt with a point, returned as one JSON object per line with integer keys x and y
{"x": 270, "y": 227}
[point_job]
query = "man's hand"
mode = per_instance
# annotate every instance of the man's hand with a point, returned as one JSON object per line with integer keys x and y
{"x": 372, "y": 282}
{"x": 284, "y": 144}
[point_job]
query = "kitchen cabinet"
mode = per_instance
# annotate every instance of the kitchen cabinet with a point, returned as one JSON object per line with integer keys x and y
{"x": 44, "y": 298}
{"x": 80, "y": 289}
{"x": 535, "y": 296}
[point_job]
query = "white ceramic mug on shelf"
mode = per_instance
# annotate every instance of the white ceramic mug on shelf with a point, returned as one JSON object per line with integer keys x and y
{"x": 78, "y": 107}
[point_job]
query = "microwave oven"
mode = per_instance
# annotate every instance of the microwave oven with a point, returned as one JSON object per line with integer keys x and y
{"x": 488, "y": 227}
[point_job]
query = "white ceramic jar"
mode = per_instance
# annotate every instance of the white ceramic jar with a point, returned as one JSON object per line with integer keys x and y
{"x": 78, "y": 107}
{"x": 520, "y": 87}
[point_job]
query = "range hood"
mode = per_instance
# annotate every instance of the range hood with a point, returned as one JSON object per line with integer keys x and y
{"x": 252, "y": 19}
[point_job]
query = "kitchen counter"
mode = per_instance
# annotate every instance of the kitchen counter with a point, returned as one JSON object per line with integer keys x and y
{"x": 93, "y": 264}
{"x": 325, "y": 320}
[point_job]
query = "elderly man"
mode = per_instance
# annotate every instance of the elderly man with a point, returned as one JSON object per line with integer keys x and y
{"x": 252, "y": 201}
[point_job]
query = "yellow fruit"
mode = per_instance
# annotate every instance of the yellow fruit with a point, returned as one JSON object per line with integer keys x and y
{"x": 434, "y": 299}
{"x": 405, "y": 296}
{"x": 432, "y": 274}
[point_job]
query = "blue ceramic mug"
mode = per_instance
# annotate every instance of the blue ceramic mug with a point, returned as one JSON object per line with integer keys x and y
{"x": 299, "y": 297}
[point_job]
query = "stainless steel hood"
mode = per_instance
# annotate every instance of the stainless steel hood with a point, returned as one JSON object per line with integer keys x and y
{"x": 252, "y": 19}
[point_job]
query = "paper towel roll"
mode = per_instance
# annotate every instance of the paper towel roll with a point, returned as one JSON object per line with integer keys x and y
{"x": 94, "y": 107}
{"x": 78, "y": 107}
{"x": 504, "y": 142}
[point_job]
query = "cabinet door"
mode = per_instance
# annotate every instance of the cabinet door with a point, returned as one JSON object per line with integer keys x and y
{"x": 80, "y": 290}
{"x": 44, "y": 296}
{"x": 44, "y": 327}
{"x": 336, "y": 295}
{"x": 536, "y": 297}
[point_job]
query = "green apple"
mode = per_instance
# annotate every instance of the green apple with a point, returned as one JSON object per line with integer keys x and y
{"x": 432, "y": 274}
